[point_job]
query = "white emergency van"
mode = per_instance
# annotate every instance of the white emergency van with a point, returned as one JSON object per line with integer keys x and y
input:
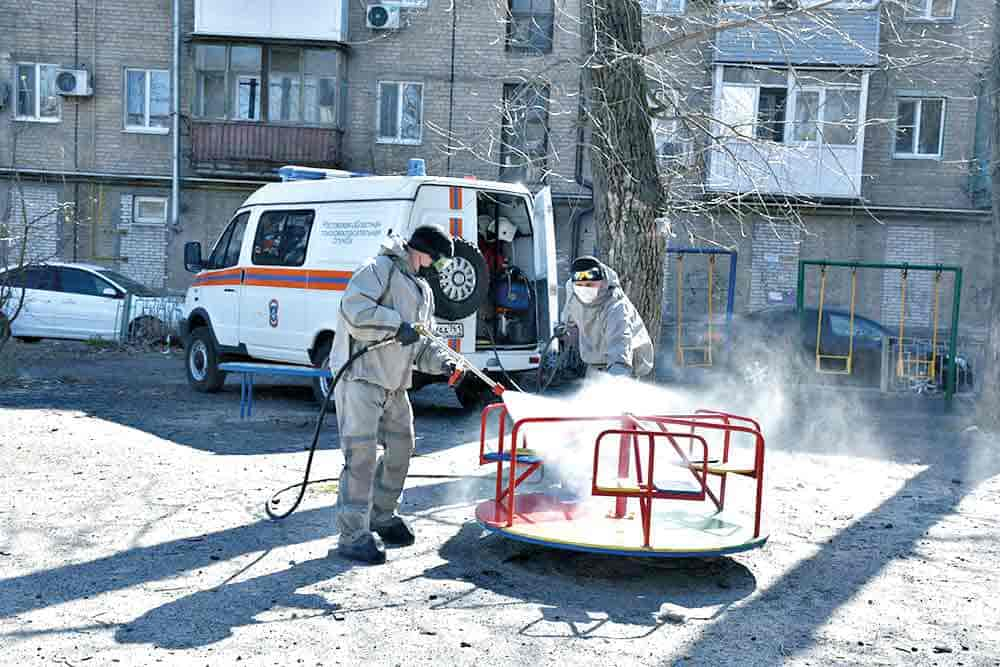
{"x": 270, "y": 288}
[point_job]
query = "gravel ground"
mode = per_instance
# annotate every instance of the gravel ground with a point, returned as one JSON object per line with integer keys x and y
{"x": 132, "y": 531}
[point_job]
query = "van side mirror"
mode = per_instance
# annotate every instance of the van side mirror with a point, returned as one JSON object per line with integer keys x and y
{"x": 192, "y": 257}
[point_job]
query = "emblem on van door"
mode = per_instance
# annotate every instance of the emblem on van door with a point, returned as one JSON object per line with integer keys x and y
{"x": 272, "y": 313}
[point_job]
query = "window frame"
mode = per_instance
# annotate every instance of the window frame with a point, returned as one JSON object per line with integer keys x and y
{"x": 910, "y": 14}
{"x": 917, "y": 116}
{"x": 532, "y": 164}
{"x": 37, "y": 118}
{"x": 793, "y": 89}
{"x": 513, "y": 46}
{"x": 398, "y": 139}
{"x": 260, "y": 226}
{"x": 146, "y": 128}
{"x": 231, "y": 78}
{"x": 154, "y": 222}
{"x": 660, "y": 11}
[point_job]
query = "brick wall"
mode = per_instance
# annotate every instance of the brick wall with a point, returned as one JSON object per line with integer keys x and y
{"x": 143, "y": 248}
{"x": 774, "y": 261}
{"x": 41, "y": 206}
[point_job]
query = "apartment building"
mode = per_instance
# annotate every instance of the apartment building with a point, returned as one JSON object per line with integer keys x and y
{"x": 482, "y": 89}
{"x": 856, "y": 131}
{"x": 866, "y": 119}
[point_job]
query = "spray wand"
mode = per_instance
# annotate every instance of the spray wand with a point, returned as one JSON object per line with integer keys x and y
{"x": 462, "y": 364}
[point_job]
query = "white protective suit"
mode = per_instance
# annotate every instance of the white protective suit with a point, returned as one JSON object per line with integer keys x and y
{"x": 612, "y": 335}
{"x": 372, "y": 403}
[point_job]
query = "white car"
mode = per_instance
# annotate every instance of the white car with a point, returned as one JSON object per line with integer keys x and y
{"x": 84, "y": 301}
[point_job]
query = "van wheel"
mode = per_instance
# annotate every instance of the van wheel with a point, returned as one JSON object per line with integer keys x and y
{"x": 460, "y": 289}
{"x": 202, "y": 362}
{"x": 321, "y": 359}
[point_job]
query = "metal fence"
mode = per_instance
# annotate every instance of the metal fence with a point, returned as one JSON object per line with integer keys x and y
{"x": 150, "y": 319}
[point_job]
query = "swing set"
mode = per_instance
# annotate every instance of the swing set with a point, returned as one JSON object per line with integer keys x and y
{"x": 916, "y": 363}
{"x": 702, "y": 349}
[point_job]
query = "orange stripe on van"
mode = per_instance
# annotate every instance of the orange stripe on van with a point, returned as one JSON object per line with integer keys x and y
{"x": 219, "y": 277}
{"x": 456, "y": 198}
{"x": 455, "y": 226}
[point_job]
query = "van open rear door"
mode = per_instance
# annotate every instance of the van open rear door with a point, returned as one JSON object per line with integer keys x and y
{"x": 547, "y": 286}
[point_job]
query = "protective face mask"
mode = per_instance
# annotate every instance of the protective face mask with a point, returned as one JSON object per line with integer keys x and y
{"x": 585, "y": 294}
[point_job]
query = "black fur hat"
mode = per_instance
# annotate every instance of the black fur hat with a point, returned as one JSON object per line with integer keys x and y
{"x": 433, "y": 241}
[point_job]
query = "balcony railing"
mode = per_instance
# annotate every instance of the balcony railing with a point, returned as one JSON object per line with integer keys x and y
{"x": 256, "y": 147}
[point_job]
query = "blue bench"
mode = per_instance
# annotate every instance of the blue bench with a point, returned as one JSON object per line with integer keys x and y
{"x": 247, "y": 370}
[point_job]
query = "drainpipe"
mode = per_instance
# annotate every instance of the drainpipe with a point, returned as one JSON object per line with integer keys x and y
{"x": 175, "y": 119}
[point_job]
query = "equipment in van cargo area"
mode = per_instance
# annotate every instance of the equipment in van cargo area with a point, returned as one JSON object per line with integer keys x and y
{"x": 270, "y": 288}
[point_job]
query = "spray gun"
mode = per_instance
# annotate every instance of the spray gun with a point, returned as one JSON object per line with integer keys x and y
{"x": 462, "y": 364}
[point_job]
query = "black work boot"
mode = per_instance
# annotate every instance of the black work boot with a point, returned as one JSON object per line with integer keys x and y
{"x": 396, "y": 532}
{"x": 367, "y": 550}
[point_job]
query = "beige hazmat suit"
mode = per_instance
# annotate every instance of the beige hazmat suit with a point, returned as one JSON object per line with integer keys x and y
{"x": 612, "y": 335}
{"x": 371, "y": 398}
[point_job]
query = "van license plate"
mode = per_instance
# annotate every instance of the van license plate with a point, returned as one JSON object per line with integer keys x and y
{"x": 450, "y": 330}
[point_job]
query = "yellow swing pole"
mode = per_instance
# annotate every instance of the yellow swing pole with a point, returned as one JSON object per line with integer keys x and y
{"x": 680, "y": 309}
{"x": 819, "y": 317}
{"x": 711, "y": 284}
{"x": 902, "y": 324}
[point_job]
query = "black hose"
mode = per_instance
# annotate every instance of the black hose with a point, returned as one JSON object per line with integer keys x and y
{"x": 543, "y": 387}
{"x": 312, "y": 450}
{"x": 315, "y": 441}
{"x": 500, "y": 363}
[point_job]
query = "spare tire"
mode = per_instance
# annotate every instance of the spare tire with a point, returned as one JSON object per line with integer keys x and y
{"x": 459, "y": 290}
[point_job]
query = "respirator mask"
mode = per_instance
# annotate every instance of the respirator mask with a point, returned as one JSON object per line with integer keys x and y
{"x": 585, "y": 293}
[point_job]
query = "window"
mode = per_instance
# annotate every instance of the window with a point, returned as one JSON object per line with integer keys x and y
{"x": 930, "y": 10}
{"x": 37, "y": 98}
{"x": 919, "y": 126}
{"x": 274, "y": 84}
{"x": 759, "y": 103}
{"x": 75, "y": 281}
{"x": 147, "y": 100}
{"x": 524, "y": 137}
{"x": 282, "y": 238}
{"x": 149, "y": 210}
{"x": 666, "y": 125}
{"x": 400, "y": 112}
{"x": 663, "y": 7}
{"x": 226, "y": 252}
{"x": 529, "y": 28}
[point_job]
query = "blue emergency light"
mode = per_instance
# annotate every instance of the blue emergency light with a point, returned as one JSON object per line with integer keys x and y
{"x": 294, "y": 173}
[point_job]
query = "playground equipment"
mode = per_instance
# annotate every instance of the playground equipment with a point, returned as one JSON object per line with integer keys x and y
{"x": 705, "y": 342}
{"x": 848, "y": 359}
{"x": 681, "y": 513}
{"x": 915, "y": 361}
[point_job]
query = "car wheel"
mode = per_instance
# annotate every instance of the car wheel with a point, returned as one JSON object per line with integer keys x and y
{"x": 460, "y": 289}
{"x": 321, "y": 359}
{"x": 202, "y": 362}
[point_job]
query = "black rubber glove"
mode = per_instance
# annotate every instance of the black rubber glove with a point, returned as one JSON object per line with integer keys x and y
{"x": 560, "y": 330}
{"x": 406, "y": 334}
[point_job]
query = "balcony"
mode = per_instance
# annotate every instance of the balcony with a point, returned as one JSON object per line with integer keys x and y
{"x": 788, "y": 132}
{"x": 257, "y": 148}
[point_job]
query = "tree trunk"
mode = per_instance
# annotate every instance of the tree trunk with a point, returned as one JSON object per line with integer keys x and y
{"x": 626, "y": 181}
{"x": 989, "y": 400}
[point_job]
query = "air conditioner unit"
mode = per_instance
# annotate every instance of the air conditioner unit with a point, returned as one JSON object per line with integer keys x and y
{"x": 73, "y": 82}
{"x": 382, "y": 17}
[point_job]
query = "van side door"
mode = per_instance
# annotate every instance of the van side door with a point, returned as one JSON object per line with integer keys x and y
{"x": 219, "y": 284}
{"x": 276, "y": 284}
{"x": 546, "y": 275}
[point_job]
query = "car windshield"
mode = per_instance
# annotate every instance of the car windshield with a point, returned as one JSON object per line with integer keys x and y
{"x": 129, "y": 284}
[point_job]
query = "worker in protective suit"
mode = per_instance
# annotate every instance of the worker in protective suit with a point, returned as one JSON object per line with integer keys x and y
{"x": 612, "y": 336}
{"x": 385, "y": 298}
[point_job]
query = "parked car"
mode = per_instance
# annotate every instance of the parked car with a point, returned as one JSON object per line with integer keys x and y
{"x": 777, "y": 344}
{"x": 84, "y": 301}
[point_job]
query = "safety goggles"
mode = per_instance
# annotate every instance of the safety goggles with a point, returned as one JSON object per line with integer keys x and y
{"x": 587, "y": 276}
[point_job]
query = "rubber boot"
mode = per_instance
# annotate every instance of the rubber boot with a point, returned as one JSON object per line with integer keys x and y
{"x": 397, "y": 532}
{"x": 368, "y": 550}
